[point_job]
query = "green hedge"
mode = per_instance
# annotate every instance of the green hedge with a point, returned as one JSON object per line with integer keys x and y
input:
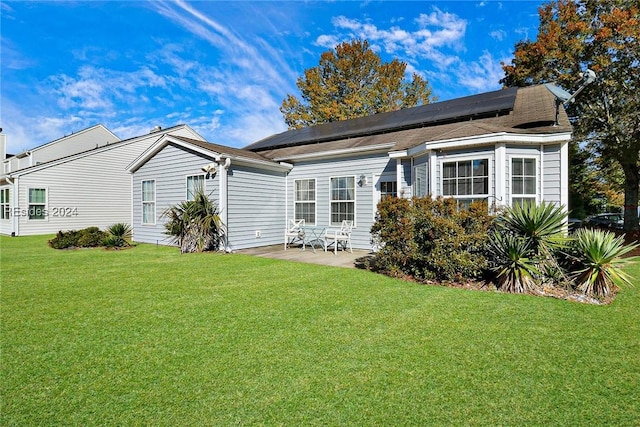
{"x": 431, "y": 239}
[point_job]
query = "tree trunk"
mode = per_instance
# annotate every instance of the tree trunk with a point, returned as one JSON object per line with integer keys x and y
{"x": 631, "y": 190}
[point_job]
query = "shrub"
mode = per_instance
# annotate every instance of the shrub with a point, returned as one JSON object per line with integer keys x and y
{"x": 430, "y": 238}
{"x": 64, "y": 240}
{"x": 511, "y": 263}
{"x": 91, "y": 237}
{"x": 598, "y": 262}
{"x": 87, "y": 238}
{"x": 118, "y": 236}
{"x": 195, "y": 225}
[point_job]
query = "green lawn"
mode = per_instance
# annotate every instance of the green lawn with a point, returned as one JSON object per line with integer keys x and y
{"x": 150, "y": 337}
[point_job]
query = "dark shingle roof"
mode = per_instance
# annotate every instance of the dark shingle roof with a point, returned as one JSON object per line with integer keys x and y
{"x": 529, "y": 110}
{"x": 468, "y": 107}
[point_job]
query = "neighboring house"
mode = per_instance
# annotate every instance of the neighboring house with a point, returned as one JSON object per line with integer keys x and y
{"x": 74, "y": 182}
{"x": 503, "y": 147}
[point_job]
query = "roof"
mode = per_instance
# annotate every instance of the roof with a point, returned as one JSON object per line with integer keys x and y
{"x": 214, "y": 151}
{"x": 119, "y": 143}
{"x": 522, "y": 111}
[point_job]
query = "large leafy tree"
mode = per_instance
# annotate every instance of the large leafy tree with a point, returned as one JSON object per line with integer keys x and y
{"x": 352, "y": 81}
{"x": 603, "y": 36}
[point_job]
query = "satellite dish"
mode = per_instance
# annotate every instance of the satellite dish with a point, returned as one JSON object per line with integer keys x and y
{"x": 564, "y": 97}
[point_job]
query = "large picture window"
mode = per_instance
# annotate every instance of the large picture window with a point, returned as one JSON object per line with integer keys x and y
{"x": 37, "y": 203}
{"x": 148, "y": 202}
{"x": 523, "y": 180}
{"x": 5, "y": 204}
{"x": 467, "y": 181}
{"x": 194, "y": 183}
{"x": 305, "y": 200}
{"x": 343, "y": 199}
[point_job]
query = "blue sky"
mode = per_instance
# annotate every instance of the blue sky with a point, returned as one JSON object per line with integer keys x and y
{"x": 224, "y": 67}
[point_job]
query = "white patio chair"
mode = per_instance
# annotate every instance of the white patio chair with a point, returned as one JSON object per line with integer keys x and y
{"x": 342, "y": 237}
{"x": 293, "y": 232}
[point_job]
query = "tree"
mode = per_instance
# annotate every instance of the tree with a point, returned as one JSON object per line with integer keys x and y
{"x": 603, "y": 36}
{"x": 351, "y": 82}
{"x": 195, "y": 225}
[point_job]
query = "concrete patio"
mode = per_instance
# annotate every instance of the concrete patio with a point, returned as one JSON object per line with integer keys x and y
{"x": 297, "y": 254}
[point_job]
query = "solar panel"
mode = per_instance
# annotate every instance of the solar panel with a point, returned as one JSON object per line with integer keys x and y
{"x": 425, "y": 115}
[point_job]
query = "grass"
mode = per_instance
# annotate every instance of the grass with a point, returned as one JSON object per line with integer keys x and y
{"x": 147, "y": 336}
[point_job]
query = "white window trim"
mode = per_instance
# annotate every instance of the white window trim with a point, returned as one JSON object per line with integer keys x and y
{"x": 142, "y": 202}
{"x": 467, "y": 158}
{"x": 376, "y": 188}
{"x": 7, "y": 203}
{"x": 355, "y": 197}
{"x": 509, "y": 177}
{"x": 46, "y": 204}
{"x": 186, "y": 184}
{"x": 315, "y": 200}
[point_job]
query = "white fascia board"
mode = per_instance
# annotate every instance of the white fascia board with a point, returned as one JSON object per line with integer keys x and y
{"x": 262, "y": 164}
{"x": 163, "y": 142}
{"x": 398, "y": 154}
{"x": 338, "y": 153}
{"x": 494, "y": 138}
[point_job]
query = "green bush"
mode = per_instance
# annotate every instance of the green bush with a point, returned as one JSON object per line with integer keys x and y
{"x": 431, "y": 238}
{"x": 87, "y": 238}
{"x": 118, "y": 236}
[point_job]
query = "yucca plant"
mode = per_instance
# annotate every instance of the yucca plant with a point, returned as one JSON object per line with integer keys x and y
{"x": 195, "y": 225}
{"x": 119, "y": 235}
{"x": 542, "y": 225}
{"x": 599, "y": 261}
{"x": 513, "y": 263}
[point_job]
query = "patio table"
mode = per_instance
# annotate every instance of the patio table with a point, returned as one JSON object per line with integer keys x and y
{"x": 313, "y": 235}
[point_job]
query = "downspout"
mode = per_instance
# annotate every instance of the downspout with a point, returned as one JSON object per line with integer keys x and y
{"x": 542, "y": 173}
{"x": 224, "y": 207}
{"x": 13, "y": 208}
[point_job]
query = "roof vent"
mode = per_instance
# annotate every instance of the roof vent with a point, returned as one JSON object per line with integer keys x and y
{"x": 156, "y": 129}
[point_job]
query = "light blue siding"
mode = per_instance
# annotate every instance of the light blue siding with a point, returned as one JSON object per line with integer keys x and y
{"x": 169, "y": 168}
{"x": 551, "y": 168}
{"x": 256, "y": 207}
{"x": 324, "y": 170}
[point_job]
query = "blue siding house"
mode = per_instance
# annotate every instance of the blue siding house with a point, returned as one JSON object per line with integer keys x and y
{"x": 503, "y": 147}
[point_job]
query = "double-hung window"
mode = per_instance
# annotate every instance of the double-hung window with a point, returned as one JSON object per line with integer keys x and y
{"x": 194, "y": 183}
{"x": 5, "y": 205}
{"x": 149, "y": 202}
{"x": 305, "y": 200}
{"x": 467, "y": 181}
{"x": 523, "y": 180}
{"x": 343, "y": 199}
{"x": 388, "y": 189}
{"x": 37, "y": 203}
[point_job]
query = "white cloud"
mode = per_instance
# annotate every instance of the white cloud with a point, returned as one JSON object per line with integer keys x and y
{"x": 498, "y": 35}
{"x": 481, "y": 75}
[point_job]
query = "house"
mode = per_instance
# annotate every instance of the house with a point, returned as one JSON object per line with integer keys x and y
{"x": 504, "y": 147}
{"x": 74, "y": 182}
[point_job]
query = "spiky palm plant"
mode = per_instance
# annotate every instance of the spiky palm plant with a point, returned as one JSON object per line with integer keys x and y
{"x": 512, "y": 262}
{"x": 542, "y": 225}
{"x": 195, "y": 225}
{"x": 119, "y": 235}
{"x": 599, "y": 261}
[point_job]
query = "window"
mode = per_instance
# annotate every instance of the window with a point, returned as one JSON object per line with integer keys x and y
{"x": 343, "y": 197}
{"x": 388, "y": 189}
{"x": 305, "y": 200}
{"x": 467, "y": 181}
{"x": 420, "y": 188}
{"x": 194, "y": 183}
{"x": 5, "y": 204}
{"x": 523, "y": 181}
{"x": 37, "y": 203}
{"x": 148, "y": 202}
